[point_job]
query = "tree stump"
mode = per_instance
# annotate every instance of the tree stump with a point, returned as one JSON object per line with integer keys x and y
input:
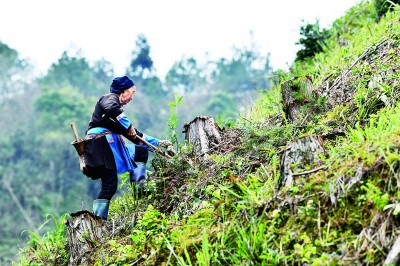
{"x": 203, "y": 133}
{"x": 291, "y": 110}
{"x": 393, "y": 257}
{"x": 302, "y": 153}
{"x": 85, "y": 232}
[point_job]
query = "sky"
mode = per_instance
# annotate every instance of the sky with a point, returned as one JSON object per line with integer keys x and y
{"x": 42, "y": 30}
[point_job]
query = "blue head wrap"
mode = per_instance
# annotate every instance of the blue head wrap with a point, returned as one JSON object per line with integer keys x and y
{"x": 119, "y": 84}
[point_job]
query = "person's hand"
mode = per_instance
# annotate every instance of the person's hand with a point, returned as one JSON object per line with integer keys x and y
{"x": 131, "y": 132}
{"x": 168, "y": 145}
{"x": 164, "y": 143}
{"x": 171, "y": 151}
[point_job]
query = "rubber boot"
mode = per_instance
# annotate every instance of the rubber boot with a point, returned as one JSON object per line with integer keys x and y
{"x": 139, "y": 174}
{"x": 100, "y": 208}
{"x": 139, "y": 177}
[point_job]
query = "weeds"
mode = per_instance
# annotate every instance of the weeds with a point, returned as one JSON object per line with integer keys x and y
{"x": 49, "y": 249}
{"x": 227, "y": 209}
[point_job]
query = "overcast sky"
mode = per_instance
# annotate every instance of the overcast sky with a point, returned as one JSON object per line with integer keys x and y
{"x": 41, "y": 30}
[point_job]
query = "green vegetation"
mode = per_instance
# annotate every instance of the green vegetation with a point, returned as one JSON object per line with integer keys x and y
{"x": 39, "y": 170}
{"x": 312, "y": 41}
{"x": 383, "y": 6}
{"x": 173, "y": 118}
{"x": 232, "y": 208}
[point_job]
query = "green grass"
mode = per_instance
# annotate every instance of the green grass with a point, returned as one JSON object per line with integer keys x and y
{"x": 231, "y": 210}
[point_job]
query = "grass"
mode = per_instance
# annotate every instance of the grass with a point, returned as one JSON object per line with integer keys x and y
{"x": 231, "y": 210}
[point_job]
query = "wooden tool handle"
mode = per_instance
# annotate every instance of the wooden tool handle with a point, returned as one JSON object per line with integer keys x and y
{"x": 74, "y": 131}
{"x": 153, "y": 147}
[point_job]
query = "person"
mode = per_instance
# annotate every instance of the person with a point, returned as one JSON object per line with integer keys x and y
{"x": 106, "y": 153}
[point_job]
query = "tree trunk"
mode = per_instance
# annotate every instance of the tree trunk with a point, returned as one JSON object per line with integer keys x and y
{"x": 300, "y": 159}
{"x": 85, "y": 232}
{"x": 203, "y": 133}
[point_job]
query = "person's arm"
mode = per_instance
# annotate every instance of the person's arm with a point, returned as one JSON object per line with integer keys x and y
{"x": 153, "y": 141}
{"x": 116, "y": 118}
{"x": 113, "y": 109}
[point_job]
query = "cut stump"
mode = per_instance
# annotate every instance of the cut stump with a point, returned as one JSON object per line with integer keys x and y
{"x": 85, "y": 231}
{"x": 393, "y": 257}
{"x": 203, "y": 133}
{"x": 301, "y": 156}
{"x": 292, "y": 105}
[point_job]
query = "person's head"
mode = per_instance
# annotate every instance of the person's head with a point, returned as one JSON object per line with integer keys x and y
{"x": 124, "y": 87}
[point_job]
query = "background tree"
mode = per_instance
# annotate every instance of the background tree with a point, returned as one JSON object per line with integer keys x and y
{"x": 185, "y": 76}
{"x": 150, "y": 107}
{"x": 383, "y": 6}
{"x": 312, "y": 41}
{"x": 219, "y": 88}
{"x": 142, "y": 70}
{"x": 17, "y": 90}
{"x": 39, "y": 170}
{"x": 16, "y": 81}
{"x": 15, "y": 73}
{"x": 75, "y": 71}
{"x": 141, "y": 65}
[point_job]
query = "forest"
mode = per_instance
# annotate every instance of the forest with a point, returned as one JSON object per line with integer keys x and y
{"x": 39, "y": 168}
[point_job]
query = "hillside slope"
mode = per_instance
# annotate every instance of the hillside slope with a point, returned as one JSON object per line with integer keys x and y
{"x": 310, "y": 174}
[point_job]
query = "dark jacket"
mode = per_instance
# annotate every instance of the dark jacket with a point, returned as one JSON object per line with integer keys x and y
{"x": 98, "y": 153}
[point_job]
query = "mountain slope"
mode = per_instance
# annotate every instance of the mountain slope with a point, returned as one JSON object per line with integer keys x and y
{"x": 310, "y": 174}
